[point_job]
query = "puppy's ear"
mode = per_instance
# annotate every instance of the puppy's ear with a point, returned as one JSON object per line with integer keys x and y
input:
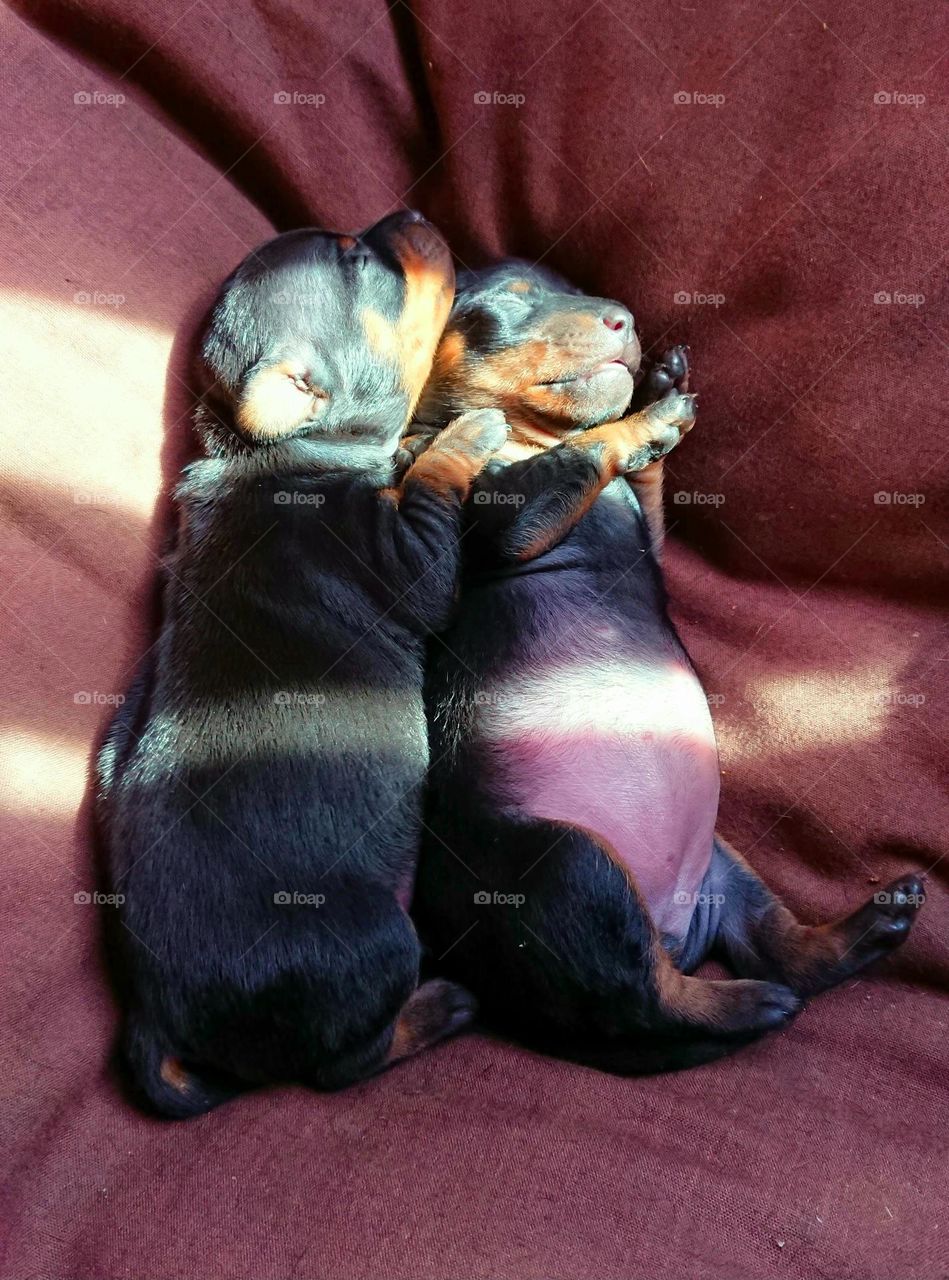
{"x": 277, "y": 400}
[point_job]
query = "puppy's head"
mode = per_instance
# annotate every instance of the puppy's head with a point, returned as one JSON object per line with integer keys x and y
{"x": 523, "y": 339}
{"x": 327, "y": 335}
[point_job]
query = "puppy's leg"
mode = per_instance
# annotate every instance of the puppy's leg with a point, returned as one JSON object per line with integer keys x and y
{"x": 761, "y": 938}
{"x": 449, "y": 464}
{"x": 700, "y": 1010}
{"x": 575, "y": 964}
{"x": 668, "y": 375}
{"x": 416, "y": 531}
{"x": 524, "y": 508}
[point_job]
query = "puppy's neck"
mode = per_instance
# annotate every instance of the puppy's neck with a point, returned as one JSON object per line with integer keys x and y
{"x": 528, "y": 437}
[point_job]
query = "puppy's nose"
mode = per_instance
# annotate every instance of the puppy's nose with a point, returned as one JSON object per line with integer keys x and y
{"x": 619, "y": 320}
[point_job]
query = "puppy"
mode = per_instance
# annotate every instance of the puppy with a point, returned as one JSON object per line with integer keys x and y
{"x": 260, "y": 792}
{"x": 570, "y": 873}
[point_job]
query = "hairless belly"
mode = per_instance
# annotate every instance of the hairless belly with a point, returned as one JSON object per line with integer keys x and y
{"x": 624, "y": 746}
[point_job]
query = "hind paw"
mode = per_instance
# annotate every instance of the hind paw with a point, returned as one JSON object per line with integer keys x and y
{"x": 754, "y": 1007}
{"x": 884, "y": 923}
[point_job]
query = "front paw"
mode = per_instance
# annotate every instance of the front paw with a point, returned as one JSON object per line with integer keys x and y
{"x": 674, "y": 412}
{"x": 657, "y": 430}
{"x": 479, "y": 433}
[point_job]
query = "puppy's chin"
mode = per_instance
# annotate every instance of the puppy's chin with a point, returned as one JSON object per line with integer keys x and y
{"x": 604, "y": 394}
{"x": 587, "y": 401}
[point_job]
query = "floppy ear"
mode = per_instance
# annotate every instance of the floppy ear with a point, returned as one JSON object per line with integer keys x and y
{"x": 277, "y": 400}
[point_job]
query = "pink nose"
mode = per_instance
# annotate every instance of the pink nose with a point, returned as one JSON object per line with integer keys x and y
{"x": 618, "y": 319}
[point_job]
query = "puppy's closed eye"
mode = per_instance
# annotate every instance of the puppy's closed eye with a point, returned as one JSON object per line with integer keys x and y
{"x": 278, "y": 400}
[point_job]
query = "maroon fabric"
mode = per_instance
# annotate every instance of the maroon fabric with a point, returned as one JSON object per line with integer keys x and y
{"x": 782, "y": 190}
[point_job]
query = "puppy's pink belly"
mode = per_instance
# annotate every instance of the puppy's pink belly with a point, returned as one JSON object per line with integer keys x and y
{"x": 649, "y": 787}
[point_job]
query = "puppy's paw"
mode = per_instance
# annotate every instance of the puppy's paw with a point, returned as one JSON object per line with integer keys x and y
{"x": 754, "y": 1007}
{"x": 415, "y": 442}
{"x": 884, "y": 923}
{"x": 411, "y": 447}
{"x": 675, "y": 410}
{"x": 452, "y": 1006}
{"x": 669, "y": 373}
{"x": 655, "y": 431}
{"x": 479, "y": 432}
{"x": 435, "y": 1010}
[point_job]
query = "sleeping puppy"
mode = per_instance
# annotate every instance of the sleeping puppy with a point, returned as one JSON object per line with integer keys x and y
{"x": 260, "y": 792}
{"x": 570, "y": 874}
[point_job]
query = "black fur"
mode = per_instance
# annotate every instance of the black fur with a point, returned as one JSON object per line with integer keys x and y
{"x": 534, "y": 915}
{"x": 260, "y": 791}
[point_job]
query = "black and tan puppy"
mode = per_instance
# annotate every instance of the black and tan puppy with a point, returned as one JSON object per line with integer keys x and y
{"x": 570, "y": 874}
{"x": 261, "y": 790}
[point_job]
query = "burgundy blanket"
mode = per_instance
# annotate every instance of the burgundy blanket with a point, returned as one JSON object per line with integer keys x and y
{"x": 764, "y": 181}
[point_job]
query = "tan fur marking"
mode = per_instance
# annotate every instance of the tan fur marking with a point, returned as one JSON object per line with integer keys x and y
{"x": 174, "y": 1074}
{"x": 619, "y": 440}
{"x": 428, "y": 299}
{"x": 450, "y": 354}
{"x": 647, "y": 485}
{"x": 515, "y": 367}
{"x": 380, "y": 334}
{"x": 805, "y": 950}
{"x": 272, "y": 405}
{"x": 520, "y": 286}
{"x": 703, "y": 1003}
{"x": 447, "y": 472}
{"x": 423, "y": 1019}
{"x": 404, "y": 1042}
{"x": 511, "y": 380}
{"x": 694, "y": 1000}
{"x": 516, "y": 450}
{"x": 612, "y": 444}
{"x": 409, "y": 342}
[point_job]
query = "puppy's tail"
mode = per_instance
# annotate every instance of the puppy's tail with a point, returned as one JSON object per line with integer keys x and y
{"x": 163, "y": 1084}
